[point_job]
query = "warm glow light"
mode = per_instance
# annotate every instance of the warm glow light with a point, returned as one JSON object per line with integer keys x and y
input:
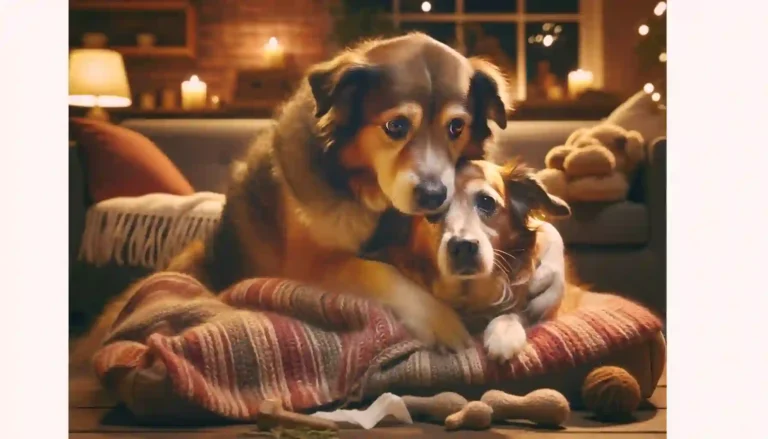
{"x": 539, "y": 38}
{"x": 426, "y": 6}
{"x": 558, "y": 29}
{"x": 648, "y": 88}
{"x": 530, "y": 40}
{"x": 656, "y": 97}
{"x": 643, "y": 30}
{"x": 97, "y": 78}
{"x": 272, "y": 43}
{"x": 579, "y": 81}
{"x": 660, "y": 8}
{"x": 193, "y": 93}
{"x": 663, "y": 57}
{"x": 548, "y": 40}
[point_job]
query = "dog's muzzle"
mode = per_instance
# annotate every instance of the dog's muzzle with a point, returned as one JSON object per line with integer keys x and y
{"x": 430, "y": 195}
{"x": 463, "y": 255}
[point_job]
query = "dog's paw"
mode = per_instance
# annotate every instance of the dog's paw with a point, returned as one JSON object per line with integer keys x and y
{"x": 504, "y": 337}
{"x": 437, "y": 326}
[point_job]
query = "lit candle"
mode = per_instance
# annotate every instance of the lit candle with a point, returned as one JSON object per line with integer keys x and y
{"x": 274, "y": 56}
{"x": 193, "y": 94}
{"x": 578, "y": 82}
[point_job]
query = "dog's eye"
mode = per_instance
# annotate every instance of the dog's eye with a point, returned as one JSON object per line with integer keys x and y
{"x": 397, "y": 128}
{"x": 455, "y": 127}
{"x": 485, "y": 204}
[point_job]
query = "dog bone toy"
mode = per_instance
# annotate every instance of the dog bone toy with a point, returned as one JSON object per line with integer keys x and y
{"x": 272, "y": 415}
{"x": 437, "y": 407}
{"x": 545, "y": 407}
{"x": 476, "y": 415}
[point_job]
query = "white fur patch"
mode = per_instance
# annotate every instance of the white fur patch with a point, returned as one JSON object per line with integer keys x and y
{"x": 505, "y": 337}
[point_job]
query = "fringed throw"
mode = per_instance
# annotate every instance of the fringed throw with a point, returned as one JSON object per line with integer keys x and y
{"x": 177, "y": 349}
{"x": 147, "y": 231}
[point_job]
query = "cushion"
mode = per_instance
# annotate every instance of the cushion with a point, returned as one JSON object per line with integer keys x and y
{"x": 622, "y": 223}
{"x": 121, "y": 163}
{"x": 178, "y": 351}
{"x": 641, "y": 114}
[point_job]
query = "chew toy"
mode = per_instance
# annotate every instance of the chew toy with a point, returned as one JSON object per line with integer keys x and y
{"x": 545, "y": 407}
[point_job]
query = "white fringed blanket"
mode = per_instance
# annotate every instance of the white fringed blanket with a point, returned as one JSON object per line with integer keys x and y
{"x": 147, "y": 231}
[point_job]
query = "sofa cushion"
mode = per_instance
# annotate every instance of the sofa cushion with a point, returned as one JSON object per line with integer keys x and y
{"x": 123, "y": 163}
{"x": 641, "y": 114}
{"x": 623, "y": 223}
{"x": 203, "y": 149}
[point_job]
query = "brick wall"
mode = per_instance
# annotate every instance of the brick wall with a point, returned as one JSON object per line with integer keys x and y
{"x": 230, "y": 36}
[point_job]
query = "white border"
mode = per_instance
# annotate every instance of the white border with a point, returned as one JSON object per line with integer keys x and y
{"x": 718, "y": 239}
{"x": 33, "y": 223}
{"x": 717, "y": 219}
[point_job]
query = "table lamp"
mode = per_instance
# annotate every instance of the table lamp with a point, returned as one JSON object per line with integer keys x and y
{"x": 97, "y": 79}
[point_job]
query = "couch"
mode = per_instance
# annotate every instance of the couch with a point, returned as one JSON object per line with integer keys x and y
{"x": 616, "y": 247}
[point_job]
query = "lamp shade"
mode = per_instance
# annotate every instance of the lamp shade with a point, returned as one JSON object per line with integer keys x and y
{"x": 97, "y": 78}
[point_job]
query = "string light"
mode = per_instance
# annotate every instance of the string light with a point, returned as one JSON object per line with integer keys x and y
{"x": 648, "y": 88}
{"x": 643, "y": 30}
{"x": 660, "y": 8}
{"x": 656, "y": 97}
{"x": 548, "y": 40}
{"x": 426, "y": 6}
{"x": 663, "y": 57}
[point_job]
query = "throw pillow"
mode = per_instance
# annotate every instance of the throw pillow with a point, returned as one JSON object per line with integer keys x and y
{"x": 641, "y": 114}
{"x": 123, "y": 163}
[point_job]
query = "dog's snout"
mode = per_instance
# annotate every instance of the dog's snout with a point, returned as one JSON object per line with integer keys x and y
{"x": 430, "y": 194}
{"x": 463, "y": 248}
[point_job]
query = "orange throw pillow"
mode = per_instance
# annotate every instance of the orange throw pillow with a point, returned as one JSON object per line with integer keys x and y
{"x": 123, "y": 163}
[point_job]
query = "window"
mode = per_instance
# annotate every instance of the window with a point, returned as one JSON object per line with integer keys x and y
{"x": 536, "y": 42}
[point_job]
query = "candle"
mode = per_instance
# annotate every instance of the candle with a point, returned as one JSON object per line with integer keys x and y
{"x": 193, "y": 94}
{"x": 578, "y": 82}
{"x": 274, "y": 56}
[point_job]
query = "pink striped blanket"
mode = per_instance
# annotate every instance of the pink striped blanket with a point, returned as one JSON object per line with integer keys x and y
{"x": 225, "y": 354}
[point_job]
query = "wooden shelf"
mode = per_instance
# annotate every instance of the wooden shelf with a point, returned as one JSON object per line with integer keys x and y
{"x": 173, "y": 22}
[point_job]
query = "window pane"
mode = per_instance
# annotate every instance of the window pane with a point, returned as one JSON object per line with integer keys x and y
{"x": 378, "y": 5}
{"x": 552, "y": 6}
{"x": 443, "y": 32}
{"x": 496, "y": 42}
{"x": 552, "y": 50}
{"x": 433, "y": 6}
{"x": 485, "y": 6}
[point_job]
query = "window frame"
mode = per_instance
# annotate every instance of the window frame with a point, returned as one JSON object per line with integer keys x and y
{"x": 589, "y": 18}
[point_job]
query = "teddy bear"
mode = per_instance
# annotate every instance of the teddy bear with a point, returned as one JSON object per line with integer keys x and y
{"x": 595, "y": 164}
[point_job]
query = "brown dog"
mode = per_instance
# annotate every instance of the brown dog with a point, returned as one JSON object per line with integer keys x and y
{"x": 483, "y": 248}
{"x": 380, "y": 126}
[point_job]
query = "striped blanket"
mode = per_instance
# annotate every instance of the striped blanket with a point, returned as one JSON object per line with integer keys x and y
{"x": 225, "y": 354}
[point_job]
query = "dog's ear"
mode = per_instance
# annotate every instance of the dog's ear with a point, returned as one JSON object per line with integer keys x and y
{"x": 526, "y": 193}
{"x": 340, "y": 83}
{"x": 488, "y": 94}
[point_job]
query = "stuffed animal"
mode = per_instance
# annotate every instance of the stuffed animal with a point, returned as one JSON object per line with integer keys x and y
{"x": 595, "y": 164}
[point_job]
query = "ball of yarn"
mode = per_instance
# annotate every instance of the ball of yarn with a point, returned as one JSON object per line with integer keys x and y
{"x": 611, "y": 393}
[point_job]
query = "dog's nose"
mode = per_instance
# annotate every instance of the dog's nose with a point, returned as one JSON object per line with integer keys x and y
{"x": 463, "y": 249}
{"x": 430, "y": 194}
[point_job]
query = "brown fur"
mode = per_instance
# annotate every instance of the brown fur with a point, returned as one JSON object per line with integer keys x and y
{"x": 312, "y": 190}
{"x": 514, "y": 246}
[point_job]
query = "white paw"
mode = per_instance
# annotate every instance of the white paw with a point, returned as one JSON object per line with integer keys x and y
{"x": 504, "y": 337}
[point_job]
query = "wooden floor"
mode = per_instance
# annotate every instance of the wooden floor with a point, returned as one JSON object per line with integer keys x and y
{"x": 93, "y": 415}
